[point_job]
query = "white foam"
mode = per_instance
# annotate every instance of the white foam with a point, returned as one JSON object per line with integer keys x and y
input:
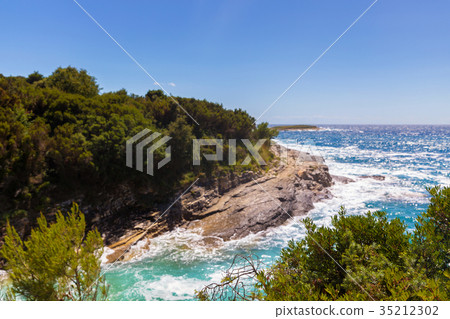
{"x": 168, "y": 287}
{"x": 106, "y": 252}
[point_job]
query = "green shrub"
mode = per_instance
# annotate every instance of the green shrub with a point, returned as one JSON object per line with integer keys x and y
{"x": 57, "y": 262}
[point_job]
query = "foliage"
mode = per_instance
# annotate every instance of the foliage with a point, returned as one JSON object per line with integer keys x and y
{"x": 263, "y": 131}
{"x": 432, "y": 234}
{"x": 34, "y": 77}
{"x": 70, "y": 80}
{"x": 364, "y": 257}
{"x": 57, "y": 262}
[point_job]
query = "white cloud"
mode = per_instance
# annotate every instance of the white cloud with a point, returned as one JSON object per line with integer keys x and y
{"x": 164, "y": 84}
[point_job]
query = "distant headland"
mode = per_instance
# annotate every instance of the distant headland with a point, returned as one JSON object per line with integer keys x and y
{"x": 295, "y": 127}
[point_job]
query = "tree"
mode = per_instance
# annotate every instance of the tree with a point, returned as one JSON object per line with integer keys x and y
{"x": 57, "y": 262}
{"x": 365, "y": 257}
{"x": 181, "y": 144}
{"x": 264, "y": 131}
{"x": 155, "y": 94}
{"x": 70, "y": 80}
{"x": 432, "y": 234}
{"x": 34, "y": 77}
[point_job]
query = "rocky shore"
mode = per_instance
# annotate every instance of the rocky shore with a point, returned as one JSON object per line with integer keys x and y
{"x": 235, "y": 206}
{"x": 229, "y": 207}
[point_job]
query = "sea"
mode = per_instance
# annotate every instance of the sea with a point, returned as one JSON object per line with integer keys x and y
{"x": 409, "y": 157}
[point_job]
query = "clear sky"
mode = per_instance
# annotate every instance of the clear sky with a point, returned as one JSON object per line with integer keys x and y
{"x": 392, "y": 67}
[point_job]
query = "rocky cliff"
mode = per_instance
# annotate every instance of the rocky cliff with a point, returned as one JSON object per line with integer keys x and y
{"x": 234, "y": 206}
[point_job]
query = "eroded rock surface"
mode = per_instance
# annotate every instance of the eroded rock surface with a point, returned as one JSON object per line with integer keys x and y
{"x": 234, "y": 206}
{"x": 290, "y": 189}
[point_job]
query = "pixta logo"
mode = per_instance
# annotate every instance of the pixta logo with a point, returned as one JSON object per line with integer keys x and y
{"x": 144, "y": 142}
{"x": 218, "y": 156}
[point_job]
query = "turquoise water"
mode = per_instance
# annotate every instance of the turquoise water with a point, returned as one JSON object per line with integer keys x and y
{"x": 409, "y": 157}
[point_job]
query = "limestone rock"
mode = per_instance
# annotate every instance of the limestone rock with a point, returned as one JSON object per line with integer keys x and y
{"x": 234, "y": 206}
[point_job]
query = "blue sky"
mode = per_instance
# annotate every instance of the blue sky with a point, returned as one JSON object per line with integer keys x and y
{"x": 392, "y": 67}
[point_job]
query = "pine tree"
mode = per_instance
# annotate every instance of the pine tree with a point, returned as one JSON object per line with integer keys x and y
{"x": 57, "y": 262}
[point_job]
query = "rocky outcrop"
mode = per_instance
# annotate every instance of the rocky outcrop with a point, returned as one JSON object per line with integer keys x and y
{"x": 342, "y": 179}
{"x": 289, "y": 189}
{"x": 375, "y": 177}
{"x": 234, "y": 206}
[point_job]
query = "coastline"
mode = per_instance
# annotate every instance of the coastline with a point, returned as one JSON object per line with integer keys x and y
{"x": 296, "y": 127}
{"x": 234, "y": 206}
{"x": 154, "y": 263}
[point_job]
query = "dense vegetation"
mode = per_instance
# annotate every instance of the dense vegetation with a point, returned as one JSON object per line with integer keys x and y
{"x": 59, "y": 136}
{"x": 57, "y": 262}
{"x": 380, "y": 261}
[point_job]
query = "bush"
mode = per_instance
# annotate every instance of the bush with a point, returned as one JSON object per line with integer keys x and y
{"x": 57, "y": 262}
